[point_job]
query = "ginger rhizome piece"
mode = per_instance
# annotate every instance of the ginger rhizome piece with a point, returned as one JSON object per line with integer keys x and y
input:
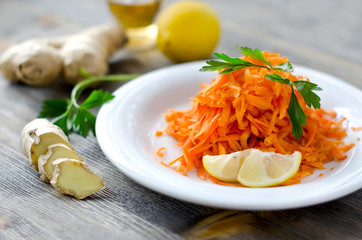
{"x": 41, "y": 61}
{"x": 49, "y": 152}
{"x": 73, "y": 177}
{"x": 37, "y": 136}
{"x": 55, "y": 151}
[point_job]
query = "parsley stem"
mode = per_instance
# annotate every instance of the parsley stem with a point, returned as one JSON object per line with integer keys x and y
{"x": 79, "y": 87}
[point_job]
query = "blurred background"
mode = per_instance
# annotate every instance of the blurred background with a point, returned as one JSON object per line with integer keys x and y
{"x": 313, "y": 33}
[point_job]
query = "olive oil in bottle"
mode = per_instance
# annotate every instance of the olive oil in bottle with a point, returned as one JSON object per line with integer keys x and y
{"x": 136, "y": 16}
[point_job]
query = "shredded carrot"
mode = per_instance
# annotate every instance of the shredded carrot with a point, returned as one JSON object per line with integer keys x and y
{"x": 242, "y": 110}
{"x": 356, "y": 128}
{"x": 161, "y": 162}
{"x": 158, "y": 133}
{"x": 160, "y": 152}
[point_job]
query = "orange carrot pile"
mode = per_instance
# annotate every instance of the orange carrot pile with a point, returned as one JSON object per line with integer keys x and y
{"x": 242, "y": 110}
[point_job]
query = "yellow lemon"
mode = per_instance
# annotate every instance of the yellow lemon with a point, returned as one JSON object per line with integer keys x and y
{"x": 187, "y": 31}
{"x": 266, "y": 169}
{"x": 225, "y": 167}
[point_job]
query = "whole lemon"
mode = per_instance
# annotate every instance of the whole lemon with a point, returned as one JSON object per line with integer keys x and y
{"x": 187, "y": 31}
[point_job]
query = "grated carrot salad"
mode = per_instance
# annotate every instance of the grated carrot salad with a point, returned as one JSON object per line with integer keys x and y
{"x": 242, "y": 110}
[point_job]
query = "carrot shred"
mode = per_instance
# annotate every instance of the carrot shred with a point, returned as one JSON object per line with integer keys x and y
{"x": 158, "y": 133}
{"x": 160, "y": 152}
{"x": 356, "y": 128}
{"x": 162, "y": 162}
{"x": 242, "y": 110}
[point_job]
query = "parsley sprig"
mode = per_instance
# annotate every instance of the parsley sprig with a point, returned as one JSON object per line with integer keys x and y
{"x": 232, "y": 64}
{"x": 296, "y": 114}
{"x": 71, "y": 116}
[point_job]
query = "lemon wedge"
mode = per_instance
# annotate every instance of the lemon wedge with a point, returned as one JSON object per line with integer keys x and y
{"x": 266, "y": 169}
{"x": 252, "y": 167}
{"x": 226, "y": 166}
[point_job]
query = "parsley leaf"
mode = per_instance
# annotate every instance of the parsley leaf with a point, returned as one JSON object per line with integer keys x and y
{"x": 230, "y": 64}
{"x": 91, "y": 120}
{"x": 256, "y": 54}
{"x": 83, "y": 122}
{"x": 305, "y": 89}
{"x": 231, "y": 60}
{"x": 54, "y": 107}
{"x": 277, "y": 78}
{"x": 72, "y": 117}
{"x": 97, "y": 98}
{"x": 287, "y": 67}
{"x": 296, "y": 115}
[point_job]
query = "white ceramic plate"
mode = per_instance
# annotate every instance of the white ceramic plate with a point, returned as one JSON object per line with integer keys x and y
{"x": 126, "y": 128}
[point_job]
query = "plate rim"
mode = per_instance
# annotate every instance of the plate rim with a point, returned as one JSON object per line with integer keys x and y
{"x": 126, "y": 89}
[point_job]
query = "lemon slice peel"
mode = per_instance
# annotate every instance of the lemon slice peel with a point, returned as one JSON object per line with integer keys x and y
{"x": 253, "y": 168}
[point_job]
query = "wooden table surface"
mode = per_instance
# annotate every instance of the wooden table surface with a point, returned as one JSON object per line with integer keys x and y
{"x": 324, "y": 35}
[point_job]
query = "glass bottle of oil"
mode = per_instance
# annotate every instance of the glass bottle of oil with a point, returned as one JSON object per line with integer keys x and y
{"x": 137, "y": 16}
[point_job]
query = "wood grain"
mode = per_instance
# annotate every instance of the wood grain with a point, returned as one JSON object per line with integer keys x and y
{"x": 324, "y": 35}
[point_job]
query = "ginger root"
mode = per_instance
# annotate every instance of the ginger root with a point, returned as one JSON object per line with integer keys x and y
{"x": 41, "y": 61}
{"x": 55, "y": 151}
{"x": 73, "y": 177}
{"x": 49, "y": 152}
{"x": 32, "y": 63}
{"x": 37, "y": 136}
